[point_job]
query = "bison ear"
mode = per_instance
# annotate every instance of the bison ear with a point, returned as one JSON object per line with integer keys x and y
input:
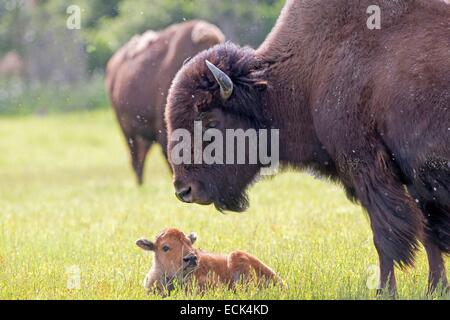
{"x": 145, "y": 244}
{"x": 193, "y": 237}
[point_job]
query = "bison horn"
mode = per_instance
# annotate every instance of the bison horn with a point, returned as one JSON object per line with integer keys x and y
{"x": 224, "y": 81}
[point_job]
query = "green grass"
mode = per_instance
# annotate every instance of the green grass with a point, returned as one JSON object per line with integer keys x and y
{"x": 18, "y": 98}
{"x": 68, "y": 198}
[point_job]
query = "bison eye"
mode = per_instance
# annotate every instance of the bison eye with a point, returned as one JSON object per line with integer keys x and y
{"x": 212, "y": 124}
{"x": 166, "y": 248}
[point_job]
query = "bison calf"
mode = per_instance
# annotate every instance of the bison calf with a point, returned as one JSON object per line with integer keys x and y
{"x": 138, "y": 77}
{"x": 176, "y": 259}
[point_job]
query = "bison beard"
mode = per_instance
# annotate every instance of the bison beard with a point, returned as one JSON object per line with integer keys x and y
{"x": 228, "y": 191}
{"x": 231, "y": 199}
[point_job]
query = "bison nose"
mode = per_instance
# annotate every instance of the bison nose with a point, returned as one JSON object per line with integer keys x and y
{"x": 183, "y": 192}
{"x": 190, "y": 259}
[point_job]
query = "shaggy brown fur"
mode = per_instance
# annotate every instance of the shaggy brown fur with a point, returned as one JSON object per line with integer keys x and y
{"x": 138, "y": 78}
{"x": 367, "y": 108}
{"x": 175, "y": 258}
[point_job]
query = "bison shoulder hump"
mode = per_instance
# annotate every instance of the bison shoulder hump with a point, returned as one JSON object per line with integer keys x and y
{"x": 139, "y": 43}
{"x": 204, "y": 31}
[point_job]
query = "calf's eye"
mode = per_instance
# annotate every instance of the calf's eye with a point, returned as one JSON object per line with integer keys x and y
{"x": 166, "y": 248}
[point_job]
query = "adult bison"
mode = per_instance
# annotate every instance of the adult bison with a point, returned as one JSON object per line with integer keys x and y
{"x": 367, "y": 108}
{"x": 139, "y": 76}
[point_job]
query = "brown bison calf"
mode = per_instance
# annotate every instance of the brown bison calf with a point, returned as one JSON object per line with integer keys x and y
{"x": 139, "y": 75}
{"x": 176, "y": 259}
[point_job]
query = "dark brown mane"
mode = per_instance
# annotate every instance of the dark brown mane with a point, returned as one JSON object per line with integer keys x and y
{"x": 240, "y": 64}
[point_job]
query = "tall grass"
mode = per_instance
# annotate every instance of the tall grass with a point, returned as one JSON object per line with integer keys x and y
{"x": 69, "y": 203}
{"x": 20, "y": 98}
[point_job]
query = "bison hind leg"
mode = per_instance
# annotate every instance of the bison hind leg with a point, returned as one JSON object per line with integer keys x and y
{"x": 430, "y": 186}
{"x": 434, "y": 243}
{"x": 432, "y": 189}
{"x": 239, "y": 266}
{"x": 438, "y": 221}
{"x": 139, "y": 147}
{"x": 245, "y": 267}
{"x": 435, "y": 175}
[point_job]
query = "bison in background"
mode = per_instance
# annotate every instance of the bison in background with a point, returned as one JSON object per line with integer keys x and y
{"x": 367, "y": 108}
{"x": 139, "y": 75}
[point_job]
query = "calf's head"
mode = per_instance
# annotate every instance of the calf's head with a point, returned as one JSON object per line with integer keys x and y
{"x": 173, "y": 250}
{"x": 220, "y": 89}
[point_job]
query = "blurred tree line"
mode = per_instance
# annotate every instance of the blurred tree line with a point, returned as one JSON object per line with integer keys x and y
{"x": 39, "y": 25}
{"x": 58, "y": 69}
{"x": 243, "y": 21}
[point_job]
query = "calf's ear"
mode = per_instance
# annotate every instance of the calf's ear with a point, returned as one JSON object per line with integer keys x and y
{"x": 193, "y": 237}
{"x": 145, "y": 244}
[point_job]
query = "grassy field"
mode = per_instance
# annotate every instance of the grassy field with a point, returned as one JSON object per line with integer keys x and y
{"x": 69, "y": 203}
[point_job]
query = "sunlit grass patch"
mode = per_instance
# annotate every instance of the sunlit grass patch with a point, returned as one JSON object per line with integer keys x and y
{"x": 70, "y": 212}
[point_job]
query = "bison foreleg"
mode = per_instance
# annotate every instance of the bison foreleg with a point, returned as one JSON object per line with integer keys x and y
{"x": 395, "y": 219}
{"x": 432, "y": 243}
{"x": 437, "y": 274}
{"x": 387, "y": 272}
